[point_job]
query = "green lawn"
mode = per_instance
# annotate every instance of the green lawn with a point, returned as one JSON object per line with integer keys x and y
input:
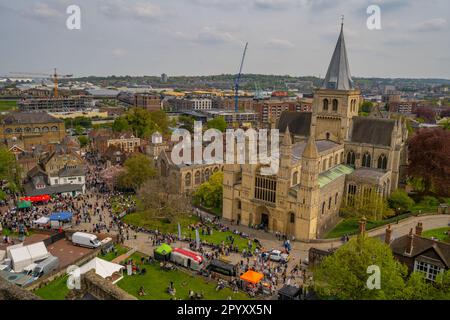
{"x": 8, "y": 105}
{"x": 351, "y": 226}
{"x": 156, "y": 281}
{"x": 141, "y": 219}
{"x": 438, "y": 234}
{"x": 55, "y": 290}
{"x": 111, "y": 255}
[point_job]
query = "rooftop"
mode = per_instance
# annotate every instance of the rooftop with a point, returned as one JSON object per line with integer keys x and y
{"x": 30, "y": 118}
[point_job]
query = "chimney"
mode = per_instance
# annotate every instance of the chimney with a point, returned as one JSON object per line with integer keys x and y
{"x": 419, "y": 229}
{"x": 388, "y": 236}
{"x": 362, "y": 225}
{"x": 409, "y": 243}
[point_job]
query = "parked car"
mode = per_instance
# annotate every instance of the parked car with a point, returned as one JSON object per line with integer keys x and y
{"x": 278, "y": 256}
{"x": 85, "y": 240}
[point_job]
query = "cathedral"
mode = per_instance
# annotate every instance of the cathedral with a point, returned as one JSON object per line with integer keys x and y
{"x": 326, "y": 157}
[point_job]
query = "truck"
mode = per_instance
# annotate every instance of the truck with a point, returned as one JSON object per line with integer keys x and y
{"x": 45, "y": 267}
{"x": 85, "y": 240}
{"x": 187, "y": 258}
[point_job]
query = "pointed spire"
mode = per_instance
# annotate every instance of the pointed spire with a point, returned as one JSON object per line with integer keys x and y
{"x": 287, "y": 141}
{"x": 311, "y": 149}
{"x": 338, "y": 76}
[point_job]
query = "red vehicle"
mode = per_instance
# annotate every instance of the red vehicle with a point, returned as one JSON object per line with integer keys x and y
{"x": 187, "y": 258}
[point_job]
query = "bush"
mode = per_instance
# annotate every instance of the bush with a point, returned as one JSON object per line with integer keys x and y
{"x": 429, "y": 201}
{"x": 399, "y": 199}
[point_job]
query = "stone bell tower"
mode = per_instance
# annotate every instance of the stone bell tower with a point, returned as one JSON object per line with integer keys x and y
{"x": 338, "y": 100}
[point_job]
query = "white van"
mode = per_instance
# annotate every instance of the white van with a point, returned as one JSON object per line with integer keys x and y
{"x": 85, "y": 240}
{"x": 45, "y": 267}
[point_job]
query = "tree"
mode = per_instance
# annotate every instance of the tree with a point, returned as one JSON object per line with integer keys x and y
{"x": 210, "y": 192}
{"x": 143, "y": 122}
{"x": 429, "y": 156}
{"x": 399, "y": 200}
{"x": 418, "y": 288}
{"x": 10, "y": 172}
{"x": 427, "y": 114}
{"x": 159, "y": 198}
{"x": 84, "y": 140}
{"x": 218, "y": 123}
{"x": 138, "y": 169}
{"x": 186, "y": 122}
{"x": 369, "y": 204}
{"x": 366, "y": 106}
{"x": 344, "y": 275}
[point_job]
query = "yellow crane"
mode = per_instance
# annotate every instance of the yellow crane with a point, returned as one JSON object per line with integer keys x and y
{"x": 54, "y": 77}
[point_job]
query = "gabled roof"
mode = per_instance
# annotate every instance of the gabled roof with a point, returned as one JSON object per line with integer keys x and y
{"x": 338, "y": 75}
{"x": 299, "y": 123}
{"x": 374, "y": 131}
{"x": 420, "y": 245}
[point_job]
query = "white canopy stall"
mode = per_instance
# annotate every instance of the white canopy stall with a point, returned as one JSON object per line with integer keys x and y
{"x": 102, "y": 267}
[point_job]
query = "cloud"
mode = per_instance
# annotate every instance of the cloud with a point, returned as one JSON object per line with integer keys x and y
{"x": 274, "y": 4}
{"x": 436, "y": 24}
{"x": 279, "y": 44}
{"x": 119, "y": 52}
{"x": 208, "y": 36}
{"x": 143, "y": 11}
{"x": 42, "y": 11}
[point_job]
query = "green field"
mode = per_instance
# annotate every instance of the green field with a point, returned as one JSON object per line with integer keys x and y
{"x": 142, "y": 219}
{"x": 120, "y": 250}
{"x": 439, "y": 233}
{"x": 55, "y": 290}
{"x": 8, "y": 105}
{"x": 156, "y": 282}
{"x": 351, "y": 226}
{"x": 139, "y": 219}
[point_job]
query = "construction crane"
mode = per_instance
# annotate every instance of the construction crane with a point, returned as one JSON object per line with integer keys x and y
{"x": 237, "y": 80}
{"x": 54, "y": 77}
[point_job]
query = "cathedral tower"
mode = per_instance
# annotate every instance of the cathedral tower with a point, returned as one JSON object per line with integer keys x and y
{"x": 338, "y": 100}
{"x": 309, "y": 192}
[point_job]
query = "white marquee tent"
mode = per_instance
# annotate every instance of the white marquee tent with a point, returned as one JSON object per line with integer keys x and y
{"x": 102, "y": 267}
{"x": 23, "y": 256}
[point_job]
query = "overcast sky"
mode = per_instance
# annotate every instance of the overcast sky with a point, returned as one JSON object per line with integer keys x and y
{"x": 201, "y": 37}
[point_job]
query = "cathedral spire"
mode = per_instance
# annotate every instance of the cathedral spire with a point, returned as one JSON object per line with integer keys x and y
{"x": 310, "y": 151}
{"x": 338, "y": 76}
{"x": 287, "y": 140}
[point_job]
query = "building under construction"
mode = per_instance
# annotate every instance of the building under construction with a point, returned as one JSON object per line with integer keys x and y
{"x": 57, "y": 105}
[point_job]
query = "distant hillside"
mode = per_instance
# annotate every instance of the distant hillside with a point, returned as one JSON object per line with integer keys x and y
{"x": 253, "y": 81}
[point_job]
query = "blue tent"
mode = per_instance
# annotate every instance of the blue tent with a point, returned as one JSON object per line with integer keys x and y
{"x": 61, "y": 216}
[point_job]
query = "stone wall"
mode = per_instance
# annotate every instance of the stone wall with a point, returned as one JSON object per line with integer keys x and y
{"x": 9, "y": 291}
{"x": 99, "y": 288}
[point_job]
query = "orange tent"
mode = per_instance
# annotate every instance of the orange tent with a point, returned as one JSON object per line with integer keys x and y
{"x": 252, "y": 276}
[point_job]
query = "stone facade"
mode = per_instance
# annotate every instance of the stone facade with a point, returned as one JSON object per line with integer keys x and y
{"x": 326, "y": 157}
{"x": 32, "y": 129}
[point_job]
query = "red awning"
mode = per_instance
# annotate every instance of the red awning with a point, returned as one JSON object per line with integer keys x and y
{"x": 42, "y": 198}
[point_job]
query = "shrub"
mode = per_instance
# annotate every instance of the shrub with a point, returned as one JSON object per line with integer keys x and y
{"x": 399, "y": 199}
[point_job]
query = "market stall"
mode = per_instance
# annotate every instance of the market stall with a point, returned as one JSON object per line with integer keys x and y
{"x": 23, "y": 204}
{"x": 162, "y": 253}
{"x": 60, "y": 219}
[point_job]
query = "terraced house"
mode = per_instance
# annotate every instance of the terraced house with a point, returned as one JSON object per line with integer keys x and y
{"x": 326, "y": 157}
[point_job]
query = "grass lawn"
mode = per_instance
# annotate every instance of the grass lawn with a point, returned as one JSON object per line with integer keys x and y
{"x": 140, "y": 219}
{"x": 118, "y": 204}
{"x": 438, "y": 234}
{"x": 217, "y": 237}
{"x": 351, "y": 226}
{"x": 111, "y": 255}
{"x": 55, "y": 290}
{"x": 156, "y": 281}
{"x": 7, "y": 105}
